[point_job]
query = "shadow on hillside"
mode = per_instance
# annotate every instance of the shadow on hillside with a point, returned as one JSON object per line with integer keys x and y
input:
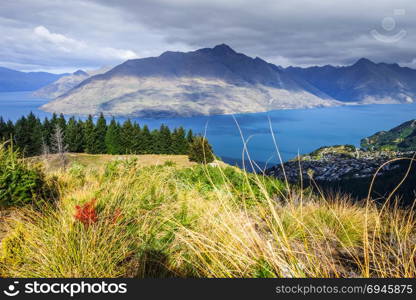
{"x": 155, "y": 264}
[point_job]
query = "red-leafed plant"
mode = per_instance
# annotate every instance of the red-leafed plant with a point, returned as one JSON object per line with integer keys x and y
{"x": 86, "y": 213}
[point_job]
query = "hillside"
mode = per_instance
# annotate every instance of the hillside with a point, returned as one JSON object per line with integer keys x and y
{"x": 385, "y": 159}
{"x": 204, "y": 82}
{"x": 122, "y": 218}
{"x": 66, "y": 83}
{"x": 400, "y": 138}
{"x": 62, "y": 85}
{"x": 14, "y": 81}
{"x": 349, "y": 170}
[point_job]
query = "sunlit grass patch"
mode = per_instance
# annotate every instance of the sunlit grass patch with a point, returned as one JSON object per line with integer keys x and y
{"x": 165, "y": 220}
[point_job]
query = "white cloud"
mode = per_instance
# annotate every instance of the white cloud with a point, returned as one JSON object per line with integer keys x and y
{"x": 76, "y": 34}
{"x": 62, "y": 42}
{"x": 118, "y": 53}
{"x": 68, "y": 45}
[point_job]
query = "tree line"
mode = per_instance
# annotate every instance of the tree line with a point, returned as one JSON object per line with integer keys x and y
{"x": 34, "y": 137}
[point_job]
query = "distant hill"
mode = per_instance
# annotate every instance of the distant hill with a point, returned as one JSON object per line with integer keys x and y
{"x": 364, "y": 81}
{"x": 66, "y": 83}
{"x": 203, "y": 82}
{"x": 400, "y": 138}
{"x": 15, "y": 81}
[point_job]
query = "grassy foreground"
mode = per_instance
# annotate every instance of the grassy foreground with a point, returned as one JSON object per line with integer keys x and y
{"x": 175, "y": 219}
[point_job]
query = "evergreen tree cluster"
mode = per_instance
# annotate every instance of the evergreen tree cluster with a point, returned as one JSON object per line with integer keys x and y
{"x": 32, "y": 135}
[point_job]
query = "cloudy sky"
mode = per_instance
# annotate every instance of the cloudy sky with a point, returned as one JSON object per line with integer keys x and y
{"x": 65, "y": 35}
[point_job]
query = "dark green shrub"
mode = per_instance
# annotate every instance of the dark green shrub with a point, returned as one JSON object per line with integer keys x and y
{"x": 21, "y": 182}
{"x": 200, "y": 151}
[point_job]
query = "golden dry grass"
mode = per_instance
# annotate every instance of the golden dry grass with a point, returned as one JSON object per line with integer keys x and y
{"x": 98, "y": 161}
{"x": 218, "y": 224}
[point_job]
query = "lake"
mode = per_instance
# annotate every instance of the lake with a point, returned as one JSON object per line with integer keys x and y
{"x": 300, "y": 130}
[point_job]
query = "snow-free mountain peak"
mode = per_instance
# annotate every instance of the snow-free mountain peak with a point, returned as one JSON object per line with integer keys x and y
{"x": 364, "y": 62}
{"x": 207, "y": 81}
{"x": 80, "y": 73}
{"x": 220, "y": 80}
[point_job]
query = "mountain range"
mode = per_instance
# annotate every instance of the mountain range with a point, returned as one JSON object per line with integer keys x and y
{"x": 203, "y": 82}
{"x": 219, "y": 80}
{"x": 66, "y": 83}
{"x": 364, "y": 81}
{"x": 13, "y": 81}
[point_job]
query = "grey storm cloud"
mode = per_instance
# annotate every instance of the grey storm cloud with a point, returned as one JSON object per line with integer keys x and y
{"x": 63, "y": 35}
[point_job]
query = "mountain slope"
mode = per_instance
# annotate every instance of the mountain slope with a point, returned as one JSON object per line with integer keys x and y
{"x": 345, "y": 169}
{"x": 400, "y": 138}
{"x": 207, "y": 81}
{"x": 65, "y": 83}
{"x": 364, "y": 81}
{"x": 14, "y": 81}
{"x": 62, "y": 85}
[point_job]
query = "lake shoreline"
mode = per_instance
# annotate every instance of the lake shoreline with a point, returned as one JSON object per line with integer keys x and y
{"x": 296, "y": 130}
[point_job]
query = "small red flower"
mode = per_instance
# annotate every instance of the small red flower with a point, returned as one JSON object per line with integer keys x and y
{"x": 86, "y": 213}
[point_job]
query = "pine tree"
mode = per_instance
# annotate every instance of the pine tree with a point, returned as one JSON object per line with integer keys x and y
{"x": 54, "y": 120}
{"x": 28, "y": 135}
{"x": 34, "y": 127}
{"x": 3, "y": 130}
{"x": 100, "y": 132}
{"x": 9, "y": 130}
{"x": 200, "y": 151}
{"x": 6, "y": 130}
{"x": 61, "y": 123}
{"x": 146, "y": 140}
{"x": 74, "y": 136}
{"x": 179, "y": 141}
{"x": 90, "y": 136}
{"x": 156, "y": 144}
{"x": 127, "y": 138}
{"x": 112, "y": 138}
{"x": 190, "y": 136}
{"x": 47, "y": 131}
{"x": 137, "y": 139}
{"x": 21, "y": 134}
{"x": 81, "y": 139}
{"x": 165, "y": 140}
{"x": 31, "y": 136}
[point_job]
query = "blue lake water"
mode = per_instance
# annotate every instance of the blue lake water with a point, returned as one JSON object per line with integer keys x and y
{"x": 300, "y": 130}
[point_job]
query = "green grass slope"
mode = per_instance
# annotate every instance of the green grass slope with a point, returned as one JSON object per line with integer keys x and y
{"x": 400, "y": 138}
{"x": 121, "y": 218}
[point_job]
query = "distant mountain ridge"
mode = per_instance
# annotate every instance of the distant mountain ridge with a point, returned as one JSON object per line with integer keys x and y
{"x": 364, "y": 81}
{"x": 203, "y": 82}
{"x": 15, "y": 81}
{"x": 66, "y": 83}
{"x": 219, "y": 80}
{"x": 62, "y": 85}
